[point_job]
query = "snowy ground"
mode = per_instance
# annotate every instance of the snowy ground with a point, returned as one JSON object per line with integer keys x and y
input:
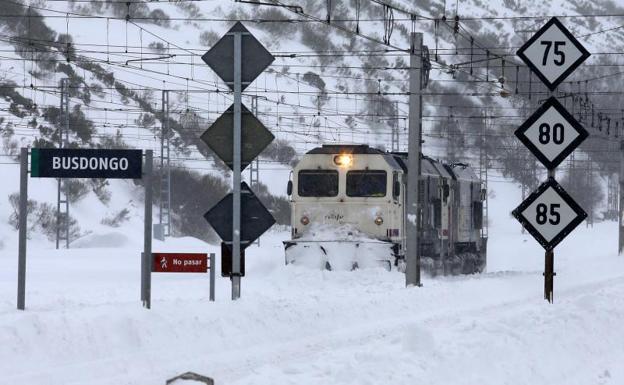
{"x": 84, "y": 323}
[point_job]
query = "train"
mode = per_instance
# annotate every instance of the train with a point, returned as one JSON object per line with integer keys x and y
{"x": 348, "y": 210}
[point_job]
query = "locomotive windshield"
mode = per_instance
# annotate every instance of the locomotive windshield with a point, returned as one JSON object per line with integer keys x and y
{"x": 366, "y": 183}
{"x": 318, "y": 183}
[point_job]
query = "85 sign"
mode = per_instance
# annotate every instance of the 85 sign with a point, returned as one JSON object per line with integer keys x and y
{"x": 549, "y": 214}
{"x": 553, "y": 53}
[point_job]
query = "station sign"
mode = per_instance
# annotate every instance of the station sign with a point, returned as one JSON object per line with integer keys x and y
{"x": 180, "y": 263}
{"x": 85, "y": 163}
{"x": 551, "y": 133}
{"x": 549, "y": 214}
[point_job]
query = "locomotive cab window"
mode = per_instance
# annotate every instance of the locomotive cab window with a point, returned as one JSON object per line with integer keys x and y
{"x": 317, "y": 183}
{"x": 366, "y": 183}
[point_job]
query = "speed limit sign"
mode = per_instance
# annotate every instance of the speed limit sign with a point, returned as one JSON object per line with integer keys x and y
{"x": 551, "y": 133}
{"x": 553, "y": 53}
{"x": 549, "y": 214}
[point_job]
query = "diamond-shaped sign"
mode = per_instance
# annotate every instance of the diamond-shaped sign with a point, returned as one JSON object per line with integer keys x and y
{"x": 255, "y": 58}
{"x": 549, "y": 214}
{"x": 254, "y": 137}
{"x": 255, "y": 218}
{"x": 551, "y": 133}
{"x": 553, "y": 53}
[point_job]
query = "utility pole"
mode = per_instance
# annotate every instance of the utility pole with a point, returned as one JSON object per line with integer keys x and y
{"x": 164, "y": 212}
{"x": 394, "y": 141}
{"x": 483, "y": 174}
{"x": 590, "y": 171}
{"x": 621, "y": 205}
{"x": 254, "y": 165}
{"x": 412, "y": 252}
{"x": 62, "y": 199}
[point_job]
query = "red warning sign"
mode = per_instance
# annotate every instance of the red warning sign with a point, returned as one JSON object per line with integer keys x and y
{"x": 180, "y": 263}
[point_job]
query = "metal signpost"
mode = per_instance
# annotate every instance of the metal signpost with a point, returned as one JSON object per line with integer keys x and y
{"x": 549, "y": 214}
{"x": 83, "y": 163}
{"x": 237, "y": 58}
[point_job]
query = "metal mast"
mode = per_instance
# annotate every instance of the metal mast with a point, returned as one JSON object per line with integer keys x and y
{"x": 62, "y": 199}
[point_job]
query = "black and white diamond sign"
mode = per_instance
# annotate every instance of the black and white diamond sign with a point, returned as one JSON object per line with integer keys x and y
{"x": 553, "y": 53}
{"x": 549, "y": 214}
{"x": 551, "y": 133}
{"x": 255, "y": 218}
{"x": 255, "y": 137}
{"x": 255, "y": 58}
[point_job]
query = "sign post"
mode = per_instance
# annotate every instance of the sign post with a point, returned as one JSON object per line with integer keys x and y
{"x": 549, "y": 214}
{"x": 83, "y": 163}
{"x": 180, "y": 263}
{"x": 147, "y": 241}
{"x": 23, "y": 227}
{"x": 237, "y": 67}
{"x": 212, "y": 276}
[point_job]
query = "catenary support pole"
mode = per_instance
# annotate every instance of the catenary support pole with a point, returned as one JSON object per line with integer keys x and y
{"x": 621, "y": 205}
{"x": 23, "y": 226}
{"x": 236, "y": 205}
{"x": 59, "y": 181}
{"x": 146, "y": 262}
{"x": 549, "y": 265}
{"x": 66, "y": 145}
{"x": 412, "y": 253}
{"x": 213, "y": 268}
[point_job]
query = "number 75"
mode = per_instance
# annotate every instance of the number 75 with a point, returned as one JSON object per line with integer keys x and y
{"x": 556, "y": 51}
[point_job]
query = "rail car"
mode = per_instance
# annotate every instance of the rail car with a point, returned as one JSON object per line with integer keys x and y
{"x": 348, "y": 209}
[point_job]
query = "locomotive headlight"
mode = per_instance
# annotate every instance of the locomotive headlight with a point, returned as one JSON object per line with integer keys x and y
{"x": 343, "y": 160}
{"x": 304, "y": 220}
{"x": 379, "y": 221}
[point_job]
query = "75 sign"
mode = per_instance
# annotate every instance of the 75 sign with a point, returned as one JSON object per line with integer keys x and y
{"x": 553, "y": 53}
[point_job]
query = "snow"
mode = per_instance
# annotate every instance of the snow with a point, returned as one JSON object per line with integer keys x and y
{"x": 84, "y": 323}
{"x": 296, "y": 324}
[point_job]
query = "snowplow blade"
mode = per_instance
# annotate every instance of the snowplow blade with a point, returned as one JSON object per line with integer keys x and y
{"x": 339, "y": 255}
